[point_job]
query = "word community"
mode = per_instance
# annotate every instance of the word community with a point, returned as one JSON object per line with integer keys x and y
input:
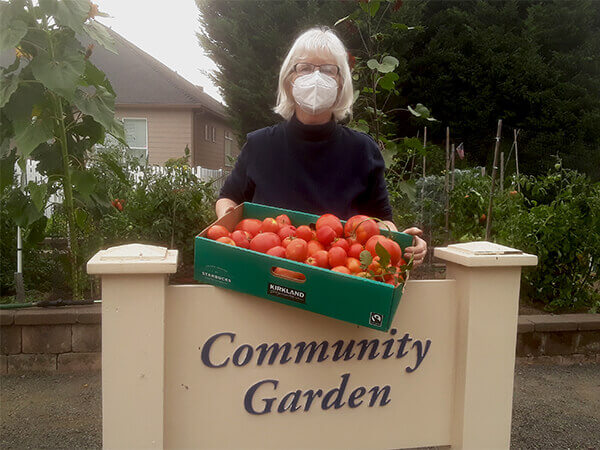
{"x": 221, "y": 350}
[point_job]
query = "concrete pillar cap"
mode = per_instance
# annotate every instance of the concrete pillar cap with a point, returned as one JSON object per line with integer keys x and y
{"x": 484, "y": 254}
{"x": 133, "y": 258}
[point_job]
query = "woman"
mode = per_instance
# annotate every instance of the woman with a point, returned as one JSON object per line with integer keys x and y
{"x": 310, "y": 162}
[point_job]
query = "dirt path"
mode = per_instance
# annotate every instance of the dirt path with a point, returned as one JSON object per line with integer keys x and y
{"x": 555, "y": 407}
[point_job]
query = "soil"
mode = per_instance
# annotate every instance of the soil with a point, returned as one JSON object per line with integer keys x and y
{"x": 554, "y": 407}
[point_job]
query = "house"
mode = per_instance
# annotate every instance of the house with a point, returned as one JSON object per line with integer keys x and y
{"x": 162, "y": 112}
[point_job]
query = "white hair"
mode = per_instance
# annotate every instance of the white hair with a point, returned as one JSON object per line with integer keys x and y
{"x": 321, "y": 42}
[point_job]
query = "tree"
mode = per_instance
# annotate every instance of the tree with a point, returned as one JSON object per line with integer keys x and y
{"x": 55, "y": 105}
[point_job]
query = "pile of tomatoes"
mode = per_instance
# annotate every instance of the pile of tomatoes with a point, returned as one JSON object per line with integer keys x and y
{"x": 355, "y": 248}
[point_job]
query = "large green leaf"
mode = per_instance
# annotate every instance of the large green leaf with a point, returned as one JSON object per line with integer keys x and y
{"x": 8, "y": 85}
{"x": 22, "y": 103}
{"x": 370, "y": 7}
{"x": 38, "y": 194}
{"x": 84, "y": 182}
{"x": 30, "y": 134}
{"x": 95, "y": 77}
{"x": 12, "y": 29}
{"x": 100, "y": 34}
{"x": 21, "y": 209}
{"x": 72, "y": 13}
{"x": 372, "y": 64}
{"x": 81, "y": 218}
{"x": 388, "y": 64}
{"x": 100, "y": 105}
{"x": 388, "y": 81}
{"x": 7, "y": 170}
{"x": 60, "y": 75}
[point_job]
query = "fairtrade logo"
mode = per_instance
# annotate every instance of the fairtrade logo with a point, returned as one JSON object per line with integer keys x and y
{"x": 376, "y": 319}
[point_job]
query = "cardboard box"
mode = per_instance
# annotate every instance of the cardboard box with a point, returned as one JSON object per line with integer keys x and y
{"x": 345, "y": 297}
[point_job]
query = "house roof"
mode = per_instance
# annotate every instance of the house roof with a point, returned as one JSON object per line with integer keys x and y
{"x": 140, "y": 79}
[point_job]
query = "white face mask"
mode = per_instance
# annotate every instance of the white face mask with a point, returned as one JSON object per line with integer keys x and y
{"x": 315, "y": 93}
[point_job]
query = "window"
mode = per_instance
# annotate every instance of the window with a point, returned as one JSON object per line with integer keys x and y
{"x": 136, "y": 136}
{"x": 228, "y": 149}
{"x": 210, "y": 133}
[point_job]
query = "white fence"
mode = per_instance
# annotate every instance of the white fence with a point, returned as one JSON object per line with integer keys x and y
{"x": 217, "y": 176}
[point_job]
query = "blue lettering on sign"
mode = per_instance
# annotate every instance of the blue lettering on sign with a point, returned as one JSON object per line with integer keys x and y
{"x": 261, "y": 398}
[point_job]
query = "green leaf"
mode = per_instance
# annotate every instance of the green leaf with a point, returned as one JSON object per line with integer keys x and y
{"x": 21, "y": 104}
{"x": 99, "y": 103}
{"x": 356, "y": 94}
{"x": 361, "y": 126}
{"x": 21, "y": 209}
{"x": 84, "y": 182}
{"x": 60, "y": 75}
{"x": 88, "y": 127}
{"x": 8, "y": 85}
{"x": 388, "y": 157}
{"x": 365, "y": 259}
{"x": 384, "y": 255}
{"x": 12, "y": 30}
{"x": 408, "y": 188}
{"x": 72, "y": 13}
{"x": 388, "y": 64}
{"x": 81, "y": 218}
{"x": 7, "y": 171}
{"x": 14, "y": 65}
{"x": 48, "y": 7}
{"x": 400, "y": 26}
{"x": 31, "y": 133}
{"x": 371, "y": 7}
{"x": 100, "y": 34}
{"x": 38, "y": 194}
{"x": 343, "y": 19}
{"x": 36, "y": 231}
{"x": 372, "y": 64}
{"x": 388, "y": 81}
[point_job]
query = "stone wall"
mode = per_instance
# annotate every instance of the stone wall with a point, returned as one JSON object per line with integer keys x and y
{"x": 68, "y": 339}
{"x": 64, "y": 339}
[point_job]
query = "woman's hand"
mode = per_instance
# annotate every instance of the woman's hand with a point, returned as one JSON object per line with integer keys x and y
{"x": 418, "y": 249}
{"x": 223, "y": 206}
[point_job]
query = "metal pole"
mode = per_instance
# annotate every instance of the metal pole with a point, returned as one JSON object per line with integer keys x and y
{"x": 488, "y": 226}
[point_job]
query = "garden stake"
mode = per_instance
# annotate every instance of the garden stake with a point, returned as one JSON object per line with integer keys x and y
{"x": 501, "y": 171}
{"x": 446, "y": 180}
{"x": 516, "y": 133}
{"x": 452, "y": 167}
{"x": 488, "y": 226}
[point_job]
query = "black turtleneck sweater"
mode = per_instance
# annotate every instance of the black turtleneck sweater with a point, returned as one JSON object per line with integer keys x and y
{"x": 317, "y": 169}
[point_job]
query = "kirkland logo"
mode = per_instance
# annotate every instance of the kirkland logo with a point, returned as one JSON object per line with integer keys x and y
{"x": 287, "y": 293}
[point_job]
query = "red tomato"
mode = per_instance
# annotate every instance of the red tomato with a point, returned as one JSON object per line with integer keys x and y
{"x": 241, "y": 238}
{"x": 401, "y": 262}
{"x": 311, "y": 261}
{"x": 352, "y": 223}
{"x": 217, "y": 231}
{"x": 329, "y": 220}
{"x": 355, "y": 250}
{"x": 252, "y": 226}
{"x": 341, "y": 242}
{"x": 342, "y": 269}
{"x": 337, "y": 256}
{"x": 351, "y": 241}
{"x": 375, "y": 267}
{"x": 353, "y": 264}
{"x": 297, "y": 250}
{"x": 269, "y": 224}
{"x": 391, "y": 246}
{"x": 264, "y": 241}
{"x": 277, "y": 251}
{"x": 365, "y": 230}
{"x": 287, "y": 230}
{"x": 322, "y": 258}
{"x": 283, "y": 220}
{"x": 314, "y": 246}
{"x": 285, "y": 242}
{"x": 325, "y": 235}
{"x": 304, "y": 232}
{"x": 226, "y": 240}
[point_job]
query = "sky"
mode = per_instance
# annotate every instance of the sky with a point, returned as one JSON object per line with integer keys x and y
{"x": 166, "y": 31}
